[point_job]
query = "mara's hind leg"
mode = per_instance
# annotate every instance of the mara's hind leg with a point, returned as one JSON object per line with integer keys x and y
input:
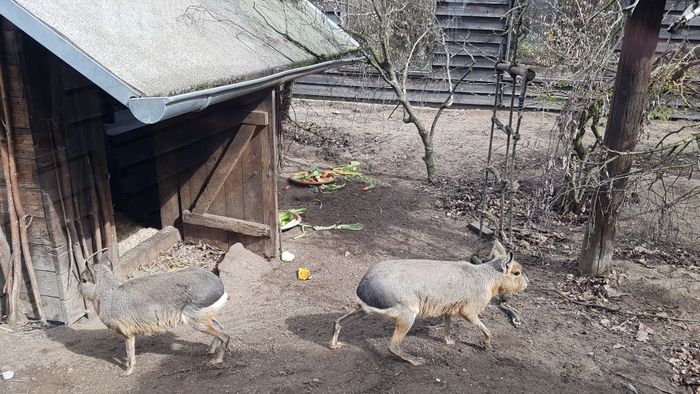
{"x": 403, "y": 324}
{"x": 130, "y": 355}
{"x": 448, "y": 324}
{"x": 216, "y": 342}
{"x": 357, "y": 313}
{"x": 208, "y": 325}
{"x": 213, "y": 346}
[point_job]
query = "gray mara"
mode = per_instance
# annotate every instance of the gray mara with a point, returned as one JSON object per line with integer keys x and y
{"x": 403, "y": 290}
{"x": 156, "y": 303}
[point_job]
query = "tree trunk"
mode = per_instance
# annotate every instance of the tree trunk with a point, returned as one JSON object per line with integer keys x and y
{"x": 621, "y": 133}
{"x": 429, "y": 157}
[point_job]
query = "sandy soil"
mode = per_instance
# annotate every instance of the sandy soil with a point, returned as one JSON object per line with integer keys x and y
{"x": 280, "y": 326}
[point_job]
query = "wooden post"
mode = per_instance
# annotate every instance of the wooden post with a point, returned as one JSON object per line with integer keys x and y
{"x": 13, "y": 182}
{"x": 621, "y": 133}
{"x": 5, "y": 255}
{"x": 14, "y": 280}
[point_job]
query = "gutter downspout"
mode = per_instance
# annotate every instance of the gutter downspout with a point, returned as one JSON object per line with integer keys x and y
{"x": 154, "y": 109}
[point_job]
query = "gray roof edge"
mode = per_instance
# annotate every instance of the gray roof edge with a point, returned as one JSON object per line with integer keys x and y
{"x": 154, "y": 109}
{"x": 330, "y": 21}
{"x": 65, "y": 50}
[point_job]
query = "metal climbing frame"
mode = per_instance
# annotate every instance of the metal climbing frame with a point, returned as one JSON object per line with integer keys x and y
{"x": 508, "y": 47}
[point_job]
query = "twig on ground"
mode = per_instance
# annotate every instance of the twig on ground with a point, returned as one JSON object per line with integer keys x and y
{"x": 631, "y": 379}
{"x": 619, "y": 310}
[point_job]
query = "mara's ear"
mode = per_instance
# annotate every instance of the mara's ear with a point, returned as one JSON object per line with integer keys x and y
{"x": 103, "y": 259}
{"x": 89, "y": 273}
{"x": 106, "y": 261}
{"x": 498, "y": 250}
{"x": 88, "y": 291}
{"x": 506, "y": 263}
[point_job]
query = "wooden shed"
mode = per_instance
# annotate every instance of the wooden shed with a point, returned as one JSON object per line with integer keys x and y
{"x": 165, "y": 111}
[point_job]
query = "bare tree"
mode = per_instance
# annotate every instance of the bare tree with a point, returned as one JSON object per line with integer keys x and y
{"x": 621, "y": 133}
{"x": 397, "y": 37}
{"x": 573, "y": 46}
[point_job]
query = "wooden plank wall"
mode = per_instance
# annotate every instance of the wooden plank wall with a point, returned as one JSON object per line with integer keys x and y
{"x": 30, "y": 191}
{"x": 41, "y": 86}
{"x": 173, "y": 160}
{"x": 480, "y": 24}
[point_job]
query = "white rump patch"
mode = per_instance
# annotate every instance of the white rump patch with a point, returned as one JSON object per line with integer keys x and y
{"x": 215, "y": 306}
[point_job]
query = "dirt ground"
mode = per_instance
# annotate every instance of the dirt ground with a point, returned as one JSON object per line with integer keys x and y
{"x": 578, "y": 336}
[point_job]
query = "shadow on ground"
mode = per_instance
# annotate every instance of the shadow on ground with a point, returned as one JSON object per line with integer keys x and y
{"x": 105, "y": 344}
{"x": 285, "y": 370}
{"x": 318, "y": 328}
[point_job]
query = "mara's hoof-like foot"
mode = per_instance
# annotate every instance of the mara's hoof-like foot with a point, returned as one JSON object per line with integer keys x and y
{"x": 216, "y": 361}
{"x": 415, "y": 361}
{"x": 128, "y": 372}
{"x": 335, "y": 345}
{"x": 449, "y": 341}
{"x": 213, "y": 347}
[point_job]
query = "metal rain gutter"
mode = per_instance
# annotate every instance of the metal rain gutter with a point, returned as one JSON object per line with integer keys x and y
{"x": 154, "y": 109}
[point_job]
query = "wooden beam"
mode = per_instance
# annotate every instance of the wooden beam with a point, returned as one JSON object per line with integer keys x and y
{"x": 269, "y": 183}
{"x": 147, "y": 251}
{"x": 225, "y": 223}
{"x": 256, "y": 118}
{"x": 224, "y": 168}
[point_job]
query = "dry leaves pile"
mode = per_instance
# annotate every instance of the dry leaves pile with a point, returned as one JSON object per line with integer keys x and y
{"x": 618, "y": 325}
{"x": 645, "y": 256}
{"x": 186, "y": 254}
{"x": 461, "y": 197}
{"x": 316, "y": 135}
{"x": 588, "y": 288}
{"x": 686, "y": 367}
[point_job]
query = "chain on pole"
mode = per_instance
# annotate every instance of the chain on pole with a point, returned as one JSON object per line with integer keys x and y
{"x": 506, "y": 66}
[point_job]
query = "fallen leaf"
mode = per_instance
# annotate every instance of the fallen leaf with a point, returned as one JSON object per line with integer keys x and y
{"x": 613, "y": 292}
{"x": 643, "y": 333}
{"x": 618, "y": 346}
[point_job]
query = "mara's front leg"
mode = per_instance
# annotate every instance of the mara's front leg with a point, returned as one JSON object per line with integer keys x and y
{"x": 473, "y": 318}
{"x": 130, "y": 355}
{"x": 448, "y": 324}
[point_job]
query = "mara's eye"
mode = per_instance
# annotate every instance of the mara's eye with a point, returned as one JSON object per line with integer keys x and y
{"x": 516, "y": 273}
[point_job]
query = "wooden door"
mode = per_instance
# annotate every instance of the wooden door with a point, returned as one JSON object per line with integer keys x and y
{"x": 219, "y": 175}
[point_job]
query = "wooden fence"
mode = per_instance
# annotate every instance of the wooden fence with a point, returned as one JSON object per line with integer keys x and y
{"x": 479, "y": 25}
